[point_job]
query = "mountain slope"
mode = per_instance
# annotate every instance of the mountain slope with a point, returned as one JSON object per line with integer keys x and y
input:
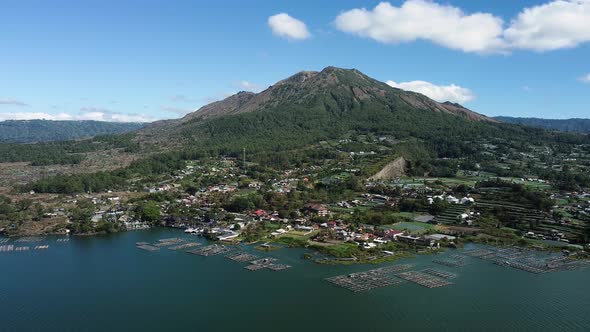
{"x": 566, "y": 125}
{"x": 311, "y": 105}
{"x": 29, "y": 131}
{"x": 305, "y": 118}
{"x": 350, "y": 85}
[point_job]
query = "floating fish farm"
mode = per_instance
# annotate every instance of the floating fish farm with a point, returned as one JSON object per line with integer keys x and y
{"x": 147, "y": 247}
{"x": 423, "y": 279}
{"x": 168, "y": 242}
{"x": 212, "y": 250}
{"x": 266, "y": 263}
{"x": 371, "y": 279}
{"x": 528, "y": 260}
{"x": 440, "y": 273}
{"x": 241, "y": 257}
{"x": 185, "y": 246}
{"x": 30, "y": 239}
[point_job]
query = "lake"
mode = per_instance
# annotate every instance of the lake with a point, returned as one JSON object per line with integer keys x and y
{"x": 105, "y": 283}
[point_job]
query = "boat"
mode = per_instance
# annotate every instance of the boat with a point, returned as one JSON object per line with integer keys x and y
{"x": 191, "y": 230}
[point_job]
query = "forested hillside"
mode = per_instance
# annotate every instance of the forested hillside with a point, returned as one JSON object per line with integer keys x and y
{"x": 29, "y": 131}
{"x": 286, "y": 124}
{"x": 567, "y": 125}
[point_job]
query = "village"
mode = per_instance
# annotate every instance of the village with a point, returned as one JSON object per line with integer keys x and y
{"x": 334, "y": 206}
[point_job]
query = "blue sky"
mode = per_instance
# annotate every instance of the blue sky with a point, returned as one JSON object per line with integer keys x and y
{"x": 144, "y": 60}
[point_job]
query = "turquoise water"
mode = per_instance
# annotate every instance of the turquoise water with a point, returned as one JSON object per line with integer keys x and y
{"x": 105, "y": 283}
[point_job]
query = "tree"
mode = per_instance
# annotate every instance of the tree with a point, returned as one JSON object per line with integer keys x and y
{"x": 149, "y": 212}
{"x": 24, "y": 204}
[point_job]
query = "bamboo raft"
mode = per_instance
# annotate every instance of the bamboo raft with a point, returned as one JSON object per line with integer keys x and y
{"x": 266, "y": 263}
{"x": 4, "y": 240}
{"x": 168, "y": 242}
{"x": 263, "y": 261}
{"x": 6, "y": 248}
{"x": 241, "y": 257}
{"x": 423, "y": 279}
{"x": 185, "y": 246}
{"x": 212, "y": 250}
{"x": 278, "y": 267}
{"x": 30, "y": 239}
{"x": 254, "y": 267}
{"x": 147, "y": 247}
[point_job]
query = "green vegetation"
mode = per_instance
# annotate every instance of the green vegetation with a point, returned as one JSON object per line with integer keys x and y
{"x": 571, "y": 125}
{"x": 31, "y": 131}
{"x": 66, "y": 152}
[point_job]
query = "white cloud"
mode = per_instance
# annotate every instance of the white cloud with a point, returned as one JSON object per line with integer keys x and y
{"x": 555, "y": 25}
{"x": 419, "y": 19}
{"x": 285, "y": 26}
{"x": 10, "y": 101}
{"x": 248, "y": 86}
{"x": 585, "y": 78}
{"x": 441, "y": 93}
{"x": 33, "y": 116}
{"x": 86, "y": 113}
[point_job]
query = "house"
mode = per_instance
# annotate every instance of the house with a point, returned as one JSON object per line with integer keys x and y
{"x": 260, "y": 213}
{"x": 420, "y": 241}
{"x": 440, "y": 237}
{"x": 304, "y": 228}
{"x": 319, "y": 209}
{"x": 392, "y": 233}
{"x": 467, "y": 200}
{"x": 278, "y": 232}
{"x": 452, "y": 199}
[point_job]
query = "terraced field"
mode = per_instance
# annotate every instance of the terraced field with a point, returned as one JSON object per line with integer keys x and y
{"x": 451, "y": 214}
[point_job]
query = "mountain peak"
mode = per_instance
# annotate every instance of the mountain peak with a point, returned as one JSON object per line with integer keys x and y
{"x": 300, "y": 77}
{"x": 339, "y": 89}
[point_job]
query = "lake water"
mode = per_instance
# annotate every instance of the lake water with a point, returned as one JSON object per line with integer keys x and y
{"x": 104, "y": 283}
